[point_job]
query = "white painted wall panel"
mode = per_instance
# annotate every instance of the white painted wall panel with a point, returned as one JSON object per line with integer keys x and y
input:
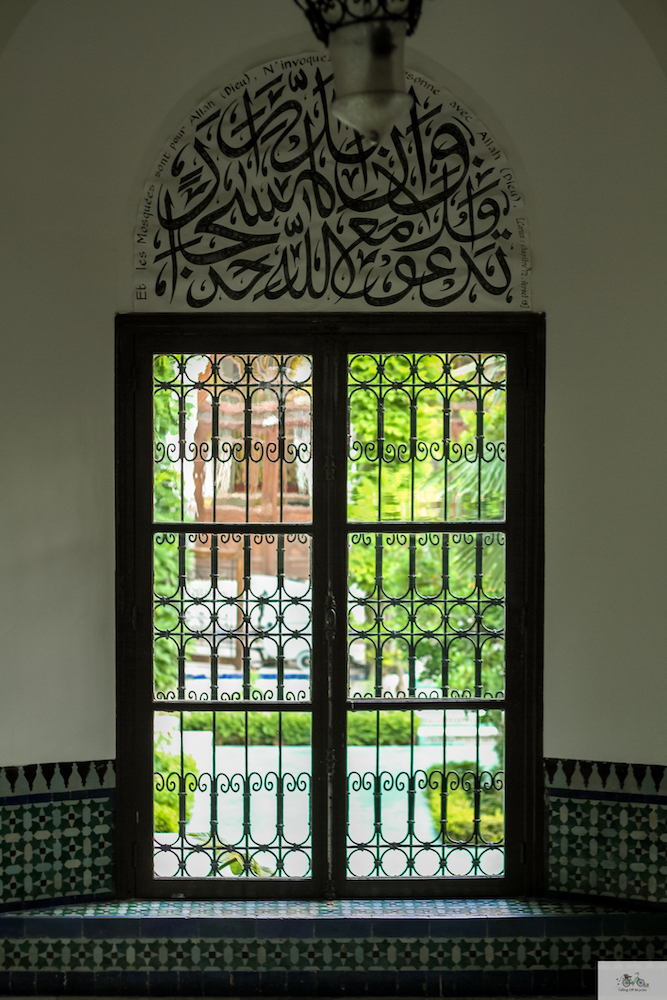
{"x": 576, "y": 98}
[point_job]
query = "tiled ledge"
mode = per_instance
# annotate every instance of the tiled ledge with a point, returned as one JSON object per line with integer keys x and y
{"x": 487, "y": 947}
{"x": 257, "y": 919}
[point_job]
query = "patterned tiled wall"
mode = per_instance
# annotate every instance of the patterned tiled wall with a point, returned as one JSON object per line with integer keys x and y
{"x": 607, "y": 827}
{"x": 56, "y": 828}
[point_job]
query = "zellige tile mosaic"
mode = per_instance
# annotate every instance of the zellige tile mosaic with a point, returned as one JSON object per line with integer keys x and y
{"x": 56, "y": 832}
{"x": 607, "y": 826}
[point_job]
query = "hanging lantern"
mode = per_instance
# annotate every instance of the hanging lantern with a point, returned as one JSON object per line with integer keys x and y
{"x": 366, "y": 40}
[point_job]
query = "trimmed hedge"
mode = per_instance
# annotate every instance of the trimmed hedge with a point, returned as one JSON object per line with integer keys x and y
{"x": 460, "y": 804}
{"x": 165, "y": 801}
{"x": 230, "y": 728}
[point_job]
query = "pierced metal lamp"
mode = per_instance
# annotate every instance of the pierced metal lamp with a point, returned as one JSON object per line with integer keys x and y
{"x": 366, "y": 40}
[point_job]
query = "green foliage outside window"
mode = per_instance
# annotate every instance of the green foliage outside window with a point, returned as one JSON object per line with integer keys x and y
{"x": 363, "y": 480}
{"x": 463, "y": 473}
{"x": 462, "y": 464}
{"x": 460, "y": 652}
{"x": 230, "y": 728}
{"x": 394, "y": 728}
{"x": 166, "y": 800}
{"x": 460, "y": 805}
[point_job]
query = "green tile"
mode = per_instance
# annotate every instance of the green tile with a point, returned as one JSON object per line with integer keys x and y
{"x": 147, "y": 955}
{"x": 386, "y": 955}
{"x": 179, "y": 955}
{"x": 48, "y": 849}
{"x": 16, "y": 955}
{"x": 607, "y": 847}
{"x": 211, "y": 955}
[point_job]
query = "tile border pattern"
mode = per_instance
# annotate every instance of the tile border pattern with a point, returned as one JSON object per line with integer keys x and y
{"x": 405, "y": 954}
{"x": 606, "y": 776}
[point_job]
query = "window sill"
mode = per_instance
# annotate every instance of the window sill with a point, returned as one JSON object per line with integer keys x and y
{"x": 349, "y": 919}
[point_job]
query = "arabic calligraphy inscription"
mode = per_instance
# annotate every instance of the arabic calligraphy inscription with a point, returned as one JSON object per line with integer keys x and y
{"x": 263, "y": 200}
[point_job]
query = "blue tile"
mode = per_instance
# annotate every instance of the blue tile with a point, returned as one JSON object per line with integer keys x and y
{"x": 53, "y": 927}
{"x": 338, "y": 927}
{"x": 410, "y": 983}
{"x": 646, "y": 923}
{"x": 401, "y": 927}
{"x": 79, "y": 984}
{"x": 449, "y": 927}
{"x": 589, "y": 982}
{"x": 216, "y": 984}
{"x": 22, "y": 984}
{"x": 165, "y": 984}
{"x": 176, "y": 928}
{"x": 495, "y": 982}
{"x": 383, "y": 984}
{"x": 543, "y": 980}
{"x": 189, "y": 983}
{"x": 244, "y": 983}
{"x": 575, "y": 982}
{"x": 49, "y": 982}
{"x": 132, "y": 984}
{"x": 110, "y": 928}
{"x": 469, "y": 983}
{"x": 109, "y": 982}
{"x": 613, "y": 923}
{"x": 520, "y": 983}
{"x": 328, "y": 984}
{"x": 339, "y": 983}
{"x": 12, "y": 926}
{"x": 228, "y": 927}
{"x": 528, "y": 926}
{"x": 432, "y": 983}
{"x": 273, "y": 983}
{"x": 573, "y": 925}
{"x": 303, "y": 983}
{"x": 269, "y": 928}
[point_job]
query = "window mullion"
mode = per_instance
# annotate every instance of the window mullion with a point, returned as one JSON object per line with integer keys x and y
{"x": 335, "y": 397}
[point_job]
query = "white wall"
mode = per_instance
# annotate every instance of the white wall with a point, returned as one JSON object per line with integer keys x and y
{"x": 577, "y": 99}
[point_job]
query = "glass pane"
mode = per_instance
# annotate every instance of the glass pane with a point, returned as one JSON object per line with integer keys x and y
{"x": 232, "y": 794}
{"x": 426, "y": 437}
{"x": 404, "y": 820}
{"x": 426, "y": 615}
{"x": 232, "y": 438}
{"x": 232, "y": 616}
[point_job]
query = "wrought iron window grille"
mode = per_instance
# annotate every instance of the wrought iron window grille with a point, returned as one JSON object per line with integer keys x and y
{"x": 330, "y": 528}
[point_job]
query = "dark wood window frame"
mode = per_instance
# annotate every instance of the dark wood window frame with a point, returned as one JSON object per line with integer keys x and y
{"x": 522, "y": 338}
